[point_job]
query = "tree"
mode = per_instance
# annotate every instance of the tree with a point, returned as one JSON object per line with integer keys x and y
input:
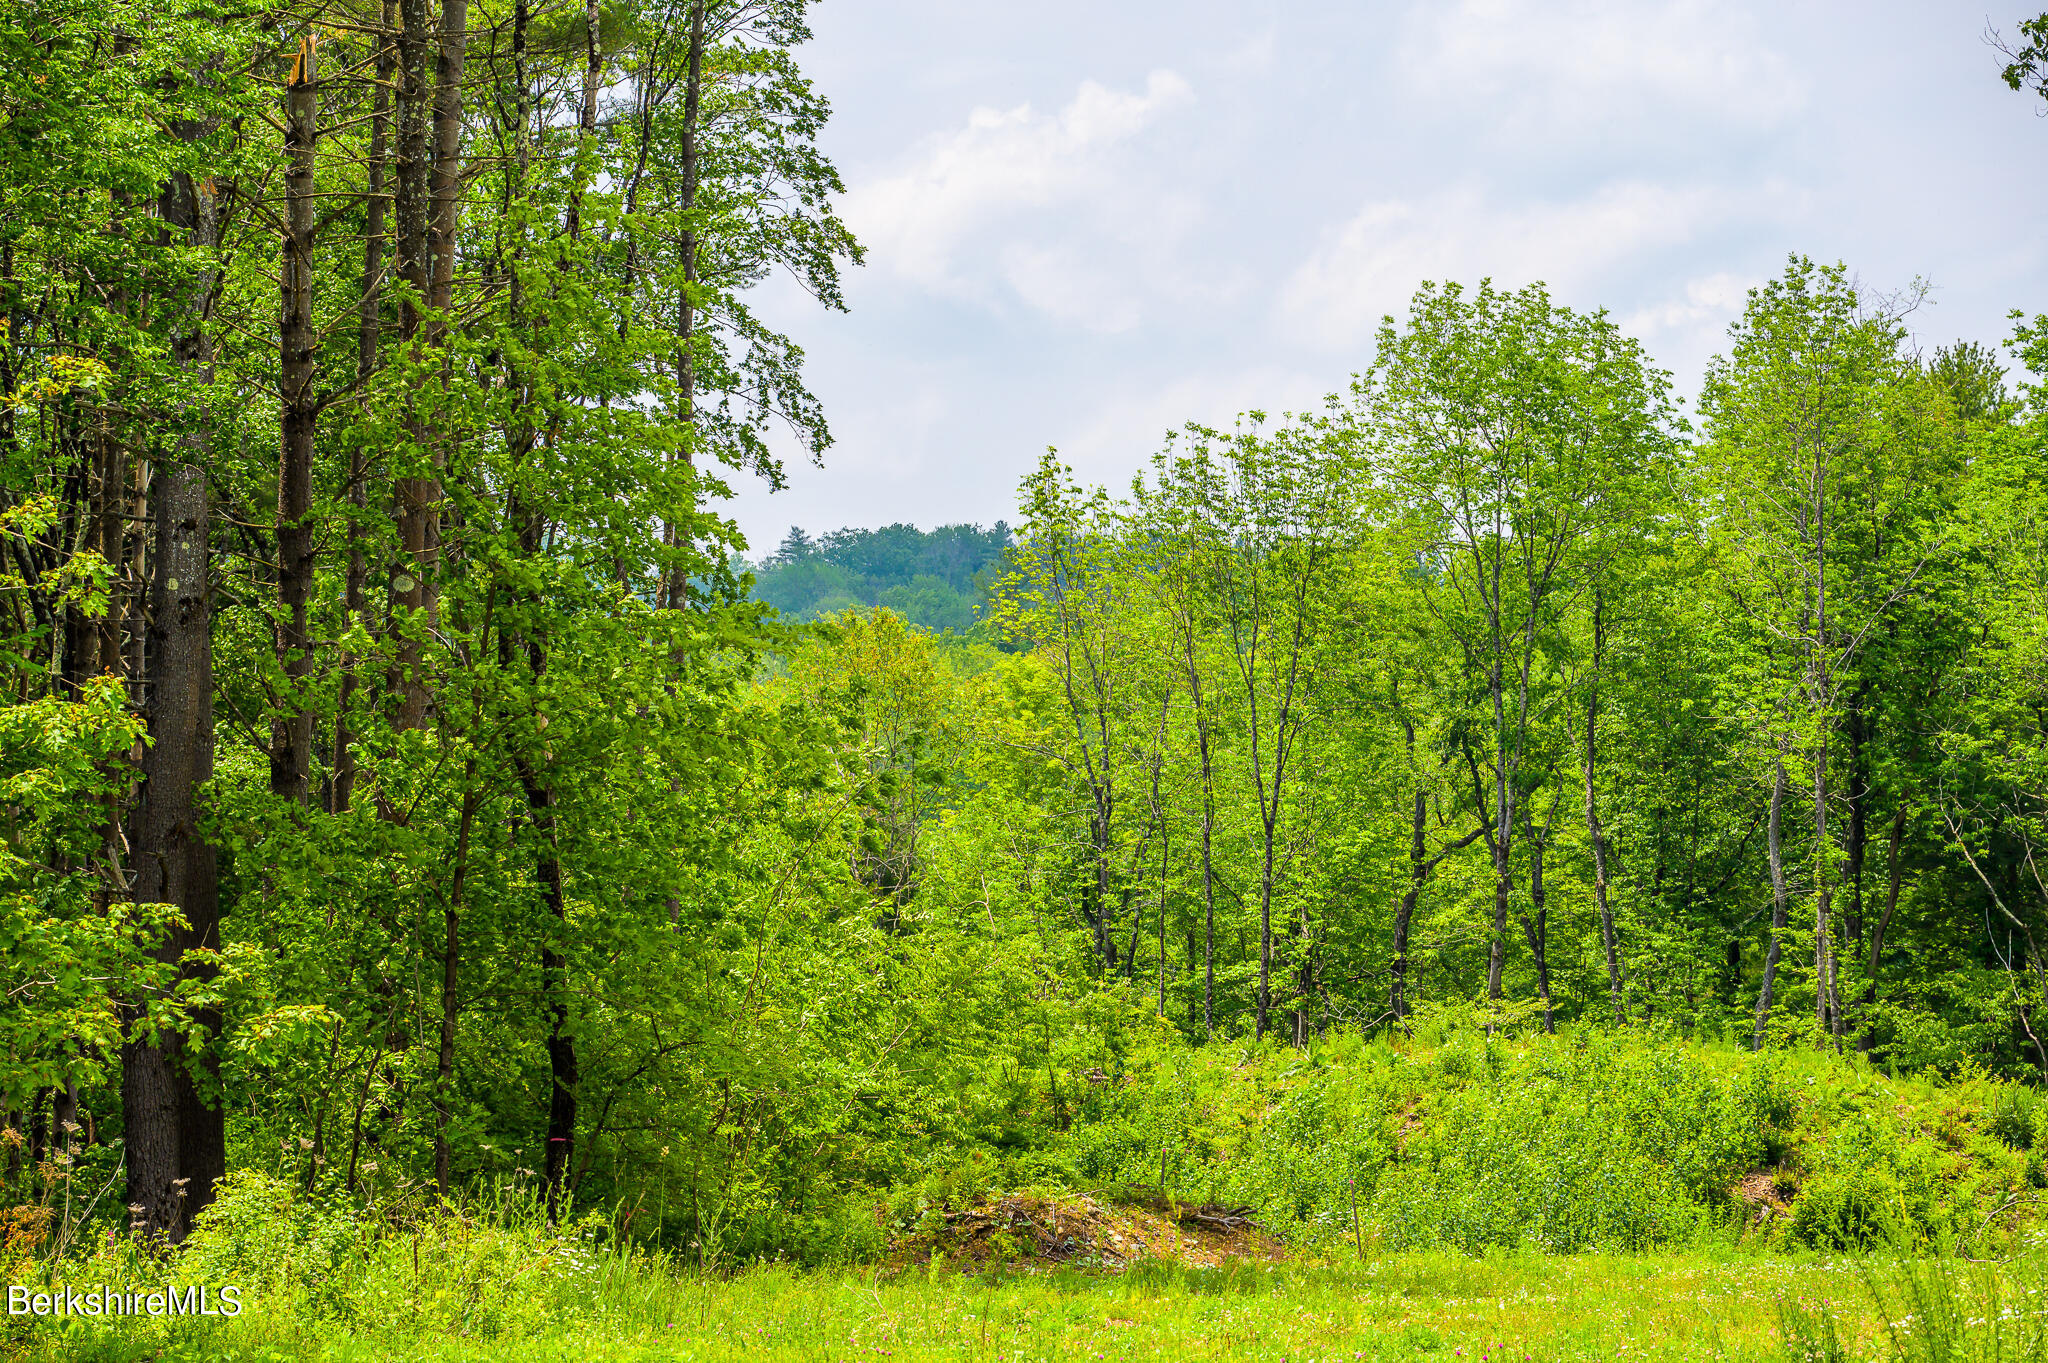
{"x": 1514, "y": 434}
{"x": 2026, "y": 56}
{"x": 1825, "y": 449}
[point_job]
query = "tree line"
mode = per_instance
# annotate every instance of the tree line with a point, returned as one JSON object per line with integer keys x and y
{"x": 1495, "y": 638}
{"x": 938, "y": 579}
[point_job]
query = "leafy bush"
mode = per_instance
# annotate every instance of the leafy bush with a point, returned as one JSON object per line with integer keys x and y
{"x": 2011, "y": 1115}
{"x": 1868, "y": 1188}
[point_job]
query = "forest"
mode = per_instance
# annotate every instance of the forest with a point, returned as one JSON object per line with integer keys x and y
{"x": 1509, "y": 807}
{"x": 938, "y": 580}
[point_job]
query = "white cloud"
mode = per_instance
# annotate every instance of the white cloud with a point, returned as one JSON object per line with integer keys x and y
{"x": 1029, "y": 205}
{"x": 1371, "y": 265}
{"x": 1562, "y": 65}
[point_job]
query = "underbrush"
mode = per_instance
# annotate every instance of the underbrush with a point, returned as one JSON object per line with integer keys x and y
{"x": 314, "y": 1274}
{"x": 1575, "y": 1143}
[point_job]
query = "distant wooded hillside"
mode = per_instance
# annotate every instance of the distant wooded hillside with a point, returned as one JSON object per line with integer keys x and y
{"x": 936, "y": 579}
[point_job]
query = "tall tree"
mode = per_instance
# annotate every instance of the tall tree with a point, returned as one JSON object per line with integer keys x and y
{"x": 1514, "y": 433}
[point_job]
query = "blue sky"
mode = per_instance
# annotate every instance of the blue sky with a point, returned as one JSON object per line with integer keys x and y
{"x": 1090, "y": 222}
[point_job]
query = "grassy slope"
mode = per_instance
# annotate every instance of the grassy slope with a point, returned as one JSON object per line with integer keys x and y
{"x": 1581, "y": 1143}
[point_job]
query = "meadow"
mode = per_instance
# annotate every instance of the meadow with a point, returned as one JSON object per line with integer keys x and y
{"x": 1459, "y": 1196}
{"x": 1425, "y": 1306}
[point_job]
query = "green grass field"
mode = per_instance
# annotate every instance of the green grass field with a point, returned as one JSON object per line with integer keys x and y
{"x": 1492, "y": 1310}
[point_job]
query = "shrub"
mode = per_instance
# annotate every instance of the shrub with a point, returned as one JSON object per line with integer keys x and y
{"x": 2010, "y": 1115}
{"x": 1848, "y": 1209}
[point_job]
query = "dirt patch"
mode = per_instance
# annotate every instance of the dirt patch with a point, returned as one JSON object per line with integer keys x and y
{"x": 1026, "y": 1230}
{"x": 1762, "y": 1191}
{"x": 1408, "y": 1123}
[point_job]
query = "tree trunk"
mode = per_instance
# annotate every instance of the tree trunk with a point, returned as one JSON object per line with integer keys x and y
{"x": 1827, "y": 1012}
{"x": 1858, "y": 835}
{"x": 675, "y": 581}
{"x": 413, "y": 494}
{"x": 1418, "y": 871}
{"x": 1161, "y": 933}
{"x": 1099, "y": 837}
{"x": 1265, "y": 931}
{"x": 1538, "y": 931}
{"x": 1774, "y": 846}
{"x": 176, "y": 1136}
{"x": 1877, "y": 935}
{"x": 369, "y": 335}
{"x": 446, "y": 220}
{"x": 1596, "y": 837}
{"x": 564, "y": 1076}
{"x": 291, "y": 738}
{"x": 451, "y": 979}
{"x": 1208, "y": 854}
{"x": 1503, "y": 890}
{"x": 1502, "y": 838}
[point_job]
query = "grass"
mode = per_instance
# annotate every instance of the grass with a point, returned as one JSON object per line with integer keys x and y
{"x": 1695, "y": 1203}
{"x": 1498, "y": 1309}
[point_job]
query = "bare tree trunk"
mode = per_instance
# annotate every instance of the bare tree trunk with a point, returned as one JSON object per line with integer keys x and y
{"x": 176, "y": 1142}
{"x": 1161, "y": 933}
{"x": 1891, "y": 903}
{"x": 558, "y": 1157}
{"x": 675, "y": 583}
{"x": 1099, "y": 830}
{"x": 1404, "y": 916}
{"x": 451, "y": 979}
{"x": 1854, "y": 927}
{"x": 291, "y": 738}
{"x": 1596, "y": 838}
{"x": 1502, "y": 838}
{"x": 1538, "y": 931}
{"x": 369, "y": 335}
{"x": 564, "y": 1075}
{"x": 450, "y": 63}
{"x": 413, "y": 494}
{"x": 1202, "y": 743}
{"x": 1774, "y": 846}
{"x": 1265, "y": 937}
{"x": 443, "y": 233}
{"x": 1827, "y": 1011}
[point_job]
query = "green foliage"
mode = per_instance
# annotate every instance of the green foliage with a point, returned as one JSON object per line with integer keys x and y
{"x": 62, "y": 773}
{"x": 1947, "y": 1311}
{"x": 2013, "y": 1115}
{"x": 1579, "y": 1144}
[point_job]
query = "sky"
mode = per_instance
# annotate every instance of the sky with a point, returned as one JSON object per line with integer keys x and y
{"x": 1088, "y": 222}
